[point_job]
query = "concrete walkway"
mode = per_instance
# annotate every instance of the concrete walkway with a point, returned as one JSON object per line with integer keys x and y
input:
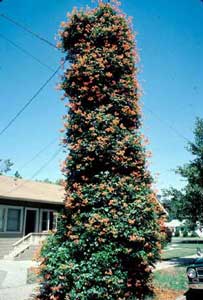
{"x": 13, "y": 280}
{"x": 18, "y": 293}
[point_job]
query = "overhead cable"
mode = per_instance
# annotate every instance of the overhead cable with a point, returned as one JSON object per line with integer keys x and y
{"x": 29, "y": 101}
{"x": 38, "y": 153}
{"x": 26, "y": 52}
{"x": 25, "y": 28}
{"x": 38, "y": 171}
{"x": 168, "y": 124}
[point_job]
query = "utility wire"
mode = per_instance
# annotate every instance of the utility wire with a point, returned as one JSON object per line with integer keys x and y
{"x": 168, "y": 124}
{"x": 26, "y": 52}
{"x": 38, "y": 153}
{"x": 25, "y": 28}
{"x": 46, "y": 163}
{"x": 29, "y": 102}
{"x": 39, "y": 170}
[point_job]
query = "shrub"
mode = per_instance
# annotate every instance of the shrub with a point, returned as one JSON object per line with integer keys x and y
{"x": 109, "y": 234}
{"x": 185, "y": 232}
{"x": 168, "y": 235}
{"x": 194, "y": 234}
{"x": 177, "y": 232}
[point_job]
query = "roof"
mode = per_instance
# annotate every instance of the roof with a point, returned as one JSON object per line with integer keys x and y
{"x": 32, "y": 191}
{"x": 175, "y": 223}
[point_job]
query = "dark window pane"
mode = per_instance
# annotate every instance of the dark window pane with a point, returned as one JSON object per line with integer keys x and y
{"x": 13, "y": 219}
{"x": 44, "y": 220}
{"x": 51, "y": 220}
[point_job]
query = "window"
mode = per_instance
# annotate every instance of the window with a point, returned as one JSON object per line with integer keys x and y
{"x": 13, "y": 219}
{"x": 48, "y": 220}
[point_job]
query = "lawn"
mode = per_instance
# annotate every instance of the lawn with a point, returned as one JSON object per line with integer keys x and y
{"x": 171, "y": 278}
{"x": 169, "y": 283}
{"x": 172, "y": 282}
{"x": 181, "y": 248}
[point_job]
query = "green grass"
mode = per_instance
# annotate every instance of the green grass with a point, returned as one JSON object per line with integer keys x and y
{"x": 171, "y": 278}
{"x": 180, "y": 250}
{"x": 174, "y": 278}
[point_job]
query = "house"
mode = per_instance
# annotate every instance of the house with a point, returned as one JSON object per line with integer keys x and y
{"x": 28, "y": 211}
{"x": 28, "y": 206}
{"x": 175, "y": 226}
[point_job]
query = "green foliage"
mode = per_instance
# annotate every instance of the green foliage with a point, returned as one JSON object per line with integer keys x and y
{"x": 173, "y": 202}
{"x": 177, "y": 232}
{"x": 108, "y": 238}
{"x": 17, "y": 175}
{"x": 188, "y": 202}
{"x": 168, "y": 236}
{"x": 47, "y": 180}
{"x": 5, "y": 166}
{"x": 185, "y": 232}
{"x": 194, "y": 234}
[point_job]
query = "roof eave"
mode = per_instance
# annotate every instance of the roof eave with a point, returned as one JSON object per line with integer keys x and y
{"x": 31, "y": 200}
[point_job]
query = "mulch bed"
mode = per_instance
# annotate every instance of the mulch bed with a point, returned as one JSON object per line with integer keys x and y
{"x": 165, "y": 294}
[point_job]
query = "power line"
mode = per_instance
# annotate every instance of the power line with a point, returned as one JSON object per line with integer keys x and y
{"x": 26, "y": 52}
{"x": 39, "y": 170}
{"x": 25, "y": 28}
{"x": 29, "y": 102}
{"x": 168, "y": 124}
{"x": 46, "y": 163}
{"x": 38, "y": 154}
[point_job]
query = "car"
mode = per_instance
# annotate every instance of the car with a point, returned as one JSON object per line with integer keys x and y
{"x": 195, "y": 274}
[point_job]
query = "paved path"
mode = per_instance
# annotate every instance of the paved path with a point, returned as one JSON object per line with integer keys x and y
{"x": 17, "y": 293}
{"x": 2, "y": 276}
{"x": 13, "y": 280}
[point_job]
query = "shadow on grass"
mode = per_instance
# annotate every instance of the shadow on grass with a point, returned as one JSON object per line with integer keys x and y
{"x": 182, "y": 261}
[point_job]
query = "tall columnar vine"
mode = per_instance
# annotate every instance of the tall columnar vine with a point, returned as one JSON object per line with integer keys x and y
{"x": 108, "y": 238}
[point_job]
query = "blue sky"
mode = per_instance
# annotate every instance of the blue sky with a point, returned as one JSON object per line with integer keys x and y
{"x": 170, "y": 45}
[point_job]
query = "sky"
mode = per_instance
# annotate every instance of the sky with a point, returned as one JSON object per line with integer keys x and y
{"x": 170, "y": 45}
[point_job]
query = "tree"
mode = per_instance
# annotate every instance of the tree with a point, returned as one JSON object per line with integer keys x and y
{"x": 47, "y": 180}
{"x": 108, "y": 237}
{"x": 17, "y": 175}
{"x": 173, "y": 202}
{"x": 59, "y": 182}
{"x": 5, "y": 166}
{"x": 190, "y": 198}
